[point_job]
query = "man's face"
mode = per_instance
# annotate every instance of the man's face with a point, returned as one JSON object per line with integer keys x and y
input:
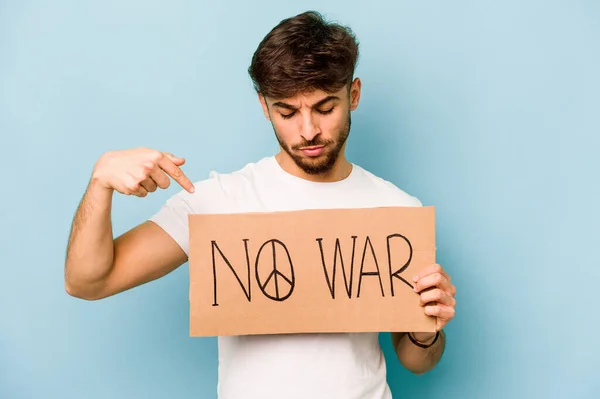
{"x": 312, "y": 128}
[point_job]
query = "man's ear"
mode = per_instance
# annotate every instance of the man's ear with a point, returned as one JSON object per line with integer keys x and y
{"x": 355, "y": 93}
{"x": 263, "y": 103}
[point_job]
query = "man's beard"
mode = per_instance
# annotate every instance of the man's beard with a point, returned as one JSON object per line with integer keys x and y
{"x": 323, "y": 164}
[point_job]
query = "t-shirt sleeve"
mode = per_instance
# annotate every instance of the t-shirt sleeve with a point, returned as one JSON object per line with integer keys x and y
{"x": 402, "y": 197}
{"x": 416, "y": 202}
{"x": 172, "y": 217}
{"x": 211, "y": 196}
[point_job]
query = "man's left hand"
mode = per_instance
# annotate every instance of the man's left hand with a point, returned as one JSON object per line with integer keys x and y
{"x": 437, "y": 294}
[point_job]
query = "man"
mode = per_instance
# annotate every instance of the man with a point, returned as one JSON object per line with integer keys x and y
{"x": 303, "y": 73}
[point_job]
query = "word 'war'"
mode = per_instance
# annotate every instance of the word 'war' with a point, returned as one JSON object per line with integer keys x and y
{"x": 279, "y": 283}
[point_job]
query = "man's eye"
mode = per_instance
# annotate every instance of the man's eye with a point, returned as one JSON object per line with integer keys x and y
{"x": 328, "y": 111}
{"x": 288, "y": 116}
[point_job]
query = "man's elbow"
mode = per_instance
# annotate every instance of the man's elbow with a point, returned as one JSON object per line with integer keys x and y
{"x": 419, "y": 365}
{"x": 79, "y": 293}
{"x": 88, "y": 292}
{"x": 418, "y": 369}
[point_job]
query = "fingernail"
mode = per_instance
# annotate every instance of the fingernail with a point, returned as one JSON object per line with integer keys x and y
{"x": 415, "y": 278}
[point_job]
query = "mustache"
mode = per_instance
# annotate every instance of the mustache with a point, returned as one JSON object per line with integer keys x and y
{"x": 311, "y": 143}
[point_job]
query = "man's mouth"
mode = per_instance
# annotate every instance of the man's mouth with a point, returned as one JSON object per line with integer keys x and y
{"x": 313, "y": 151}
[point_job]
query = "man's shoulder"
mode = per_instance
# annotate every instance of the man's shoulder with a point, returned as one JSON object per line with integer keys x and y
{"x": 218, "y": 189}
{"x": 388, "y": 188}
{"x": 235, "y": 179}
{"x": 248, "y": 170}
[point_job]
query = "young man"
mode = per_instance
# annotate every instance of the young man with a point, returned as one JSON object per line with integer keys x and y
{"x": 303, "y": 73}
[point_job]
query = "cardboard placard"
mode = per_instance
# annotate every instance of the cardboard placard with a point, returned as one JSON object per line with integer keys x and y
{"x": 330, "y": 270}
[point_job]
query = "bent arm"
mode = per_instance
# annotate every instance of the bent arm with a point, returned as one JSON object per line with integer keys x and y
{"x": 98, "y": 265}
{"x": 414, "y": 358}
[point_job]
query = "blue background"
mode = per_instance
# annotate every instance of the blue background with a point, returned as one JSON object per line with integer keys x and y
{"x": 488, "y": 110}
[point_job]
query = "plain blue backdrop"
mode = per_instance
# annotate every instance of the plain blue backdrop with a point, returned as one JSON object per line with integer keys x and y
{"x": 488, "y": 110}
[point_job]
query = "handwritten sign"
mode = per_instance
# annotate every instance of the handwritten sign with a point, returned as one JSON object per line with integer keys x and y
{"x": 335, "y": 270}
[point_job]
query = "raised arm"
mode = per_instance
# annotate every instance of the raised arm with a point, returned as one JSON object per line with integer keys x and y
{"x": 98, "y": 265}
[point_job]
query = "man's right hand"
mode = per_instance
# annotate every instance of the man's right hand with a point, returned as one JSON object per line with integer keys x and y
{"x": 139, "y": 171}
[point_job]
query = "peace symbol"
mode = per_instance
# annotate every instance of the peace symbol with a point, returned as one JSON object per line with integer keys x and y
{"x": 276, "y": 278}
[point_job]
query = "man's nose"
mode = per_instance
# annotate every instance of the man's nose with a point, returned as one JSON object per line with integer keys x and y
{"x": 309, "y": 128}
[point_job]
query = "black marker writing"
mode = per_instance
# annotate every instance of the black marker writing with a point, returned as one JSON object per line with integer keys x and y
{"x": 338, "y": 250}
{"x": 362, "y": 264}
{"x": 214, "y": 263}
{"x": 280, "y": 281}
{"x": 275, "y": 273}
{"x": 397, "y": 272}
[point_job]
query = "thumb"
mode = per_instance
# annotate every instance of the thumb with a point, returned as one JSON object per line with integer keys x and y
{"x": 176, "y": 160}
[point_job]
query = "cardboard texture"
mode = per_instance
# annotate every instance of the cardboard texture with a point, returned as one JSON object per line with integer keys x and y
{"x": 334, "y": 270}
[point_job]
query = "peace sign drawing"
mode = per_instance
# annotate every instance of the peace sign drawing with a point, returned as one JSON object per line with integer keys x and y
{"x": 277, "y": 286}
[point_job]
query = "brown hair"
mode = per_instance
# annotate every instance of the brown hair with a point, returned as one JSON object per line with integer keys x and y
{"x": 304, "y": 53}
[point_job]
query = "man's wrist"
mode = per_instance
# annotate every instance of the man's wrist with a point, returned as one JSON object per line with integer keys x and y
{"x": 423, "y": 337}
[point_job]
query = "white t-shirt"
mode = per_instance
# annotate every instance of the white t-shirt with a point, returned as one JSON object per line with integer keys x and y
{"x": 303, "y": 366}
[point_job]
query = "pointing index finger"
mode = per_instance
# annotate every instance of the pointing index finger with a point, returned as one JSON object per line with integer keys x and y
{"x": 176, "y": 173}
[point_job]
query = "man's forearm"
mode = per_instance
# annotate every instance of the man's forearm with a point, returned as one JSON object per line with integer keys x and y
{"x": 415, "y": 358}
{"x": 90, "y": 248}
